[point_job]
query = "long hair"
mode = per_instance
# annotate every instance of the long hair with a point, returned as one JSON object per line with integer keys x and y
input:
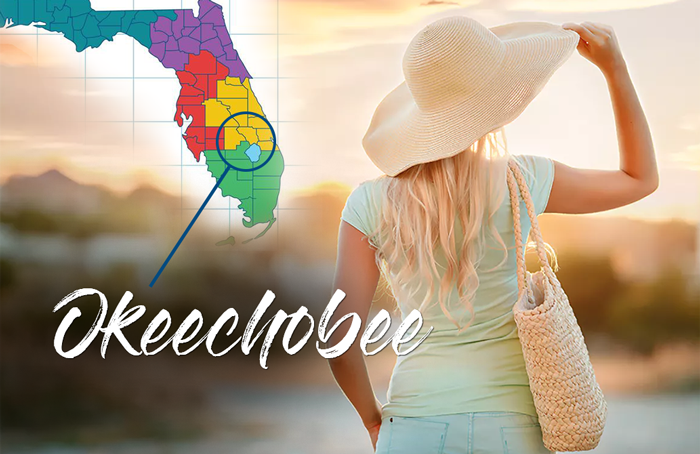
{"x": 446, "y": 206}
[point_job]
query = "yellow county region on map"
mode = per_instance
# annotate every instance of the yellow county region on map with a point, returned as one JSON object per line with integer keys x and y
{"x": 236, "y": 96}
{"x": 247, "y": 143}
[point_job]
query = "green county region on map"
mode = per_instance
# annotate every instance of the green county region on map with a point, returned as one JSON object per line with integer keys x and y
{"x": 215, "y": 84}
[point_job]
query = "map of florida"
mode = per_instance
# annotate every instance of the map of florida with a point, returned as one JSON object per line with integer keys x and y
{"x": 214, "y": 85}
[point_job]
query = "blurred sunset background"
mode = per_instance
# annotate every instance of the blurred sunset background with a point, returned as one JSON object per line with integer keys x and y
{"x": 97, "y": 186}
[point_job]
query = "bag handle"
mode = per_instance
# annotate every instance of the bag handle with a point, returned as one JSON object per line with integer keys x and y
{"x": 516, "y": 181}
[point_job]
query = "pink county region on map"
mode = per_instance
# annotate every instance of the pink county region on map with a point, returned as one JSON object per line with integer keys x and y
{"x": 214, "y": 84}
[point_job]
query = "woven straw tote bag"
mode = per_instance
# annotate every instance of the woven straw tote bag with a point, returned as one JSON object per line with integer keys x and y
{"x": 569, "y": 403}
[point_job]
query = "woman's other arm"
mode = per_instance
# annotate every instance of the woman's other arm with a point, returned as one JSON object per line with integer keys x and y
{"x": 588, "y": 191}
{"x": 357, "y": 275}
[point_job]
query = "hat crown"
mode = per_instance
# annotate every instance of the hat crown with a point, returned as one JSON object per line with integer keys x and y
{"x": 450, "y": 59}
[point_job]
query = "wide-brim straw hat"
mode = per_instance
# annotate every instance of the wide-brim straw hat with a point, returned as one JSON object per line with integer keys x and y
{"x": 463, "y": 80}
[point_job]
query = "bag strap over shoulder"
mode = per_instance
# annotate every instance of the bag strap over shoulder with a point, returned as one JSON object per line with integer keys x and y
{"x": 516, "y": 181}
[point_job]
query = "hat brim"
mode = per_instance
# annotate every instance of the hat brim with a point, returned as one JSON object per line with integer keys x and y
{"x": 401, "y": 135}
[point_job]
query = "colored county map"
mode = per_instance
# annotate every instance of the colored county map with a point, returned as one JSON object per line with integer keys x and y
{"x": 215, "y": 84}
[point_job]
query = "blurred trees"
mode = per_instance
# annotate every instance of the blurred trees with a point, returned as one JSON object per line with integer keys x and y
{"x": 647, "y": 314}
{"x": 638, "y": 315}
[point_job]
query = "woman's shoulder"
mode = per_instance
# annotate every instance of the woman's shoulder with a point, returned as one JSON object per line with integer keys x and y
{"x": 539, "y": 176}
{"x": 375, "y": 182}
{"x": 362, "y": 205}
{"x": 533, "y": 164}
{"x": 368, "y": 190}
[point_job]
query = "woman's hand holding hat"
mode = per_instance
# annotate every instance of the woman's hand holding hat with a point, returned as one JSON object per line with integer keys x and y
{"x": 599, "y": 45}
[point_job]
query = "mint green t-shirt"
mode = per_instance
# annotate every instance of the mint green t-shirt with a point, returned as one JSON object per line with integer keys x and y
{"x": 482, "y": 368}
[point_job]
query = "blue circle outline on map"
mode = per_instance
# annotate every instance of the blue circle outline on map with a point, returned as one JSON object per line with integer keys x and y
{"x": 274, "y": 141}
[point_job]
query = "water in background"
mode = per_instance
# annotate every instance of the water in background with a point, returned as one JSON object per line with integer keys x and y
{"x": 313, "y": 420}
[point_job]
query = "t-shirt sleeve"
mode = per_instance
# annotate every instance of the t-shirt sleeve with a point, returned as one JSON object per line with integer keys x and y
{"x": 358, "y": 210}
{"x": 539, "y": 175}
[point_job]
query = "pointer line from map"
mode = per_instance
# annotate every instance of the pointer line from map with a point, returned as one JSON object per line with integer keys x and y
{"x": 187, "y": 230}
{"x": 227, "y": 167}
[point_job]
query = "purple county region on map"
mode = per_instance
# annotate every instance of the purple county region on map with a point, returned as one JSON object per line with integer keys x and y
{"x": 214, "y": 85}
{"x": 173, "y": 41}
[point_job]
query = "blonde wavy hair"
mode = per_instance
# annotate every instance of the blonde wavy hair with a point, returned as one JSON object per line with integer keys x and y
{"x": 422, "y": 209}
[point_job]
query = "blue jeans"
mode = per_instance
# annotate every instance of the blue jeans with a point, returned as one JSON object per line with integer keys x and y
{"x": 465, "y": 433}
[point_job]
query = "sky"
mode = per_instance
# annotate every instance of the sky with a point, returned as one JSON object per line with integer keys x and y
{"x": 319, "y": 81}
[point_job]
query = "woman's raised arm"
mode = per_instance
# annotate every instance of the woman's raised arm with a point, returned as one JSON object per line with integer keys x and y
{"x": 588, "y": 191}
